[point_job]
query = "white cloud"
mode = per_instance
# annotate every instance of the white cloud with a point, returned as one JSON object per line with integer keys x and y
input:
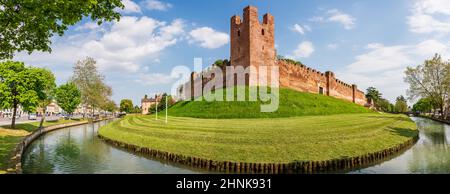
{"x": 304, "y": 50}
{"x": 430, "y": 16}
{"x": 317, "y": 19}
{"x": 123, "y": 48}
{"x": 209, "y": 38}
{"x": 336, "y": 16}
{"x": 345, "y": 19}
{"x": 384, "y": 66}
{"x": 332, "y": 46}
{"x": 157, "y": 5}
{"x": 153, "y": 79}
{"x": 374, "y": 46}
{"x": 130, "y": 7}
{"x": 301, "y": 29}
{"x": 88, "y": 26}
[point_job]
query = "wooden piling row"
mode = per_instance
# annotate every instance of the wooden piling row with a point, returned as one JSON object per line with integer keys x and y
{"x": 304, "y": 167}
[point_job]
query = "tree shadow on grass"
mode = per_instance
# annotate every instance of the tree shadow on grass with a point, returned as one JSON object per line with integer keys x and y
{"x": 7, "y": 145}
{"x": 398, "y": 117}
{"x": 26, "y": 126}
{"x": 404, "y": 132}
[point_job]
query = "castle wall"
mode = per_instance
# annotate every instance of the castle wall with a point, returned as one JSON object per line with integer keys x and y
{"x": 305, "y": 79}
{"x": 253, "y": 44}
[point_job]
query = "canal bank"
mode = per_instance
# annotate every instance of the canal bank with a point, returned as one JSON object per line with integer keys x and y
{"x": 15, "y": 163}
{"x": 314, "y": 144}
{"x": 430, "y": 155}
{"x": 78, "y": 149}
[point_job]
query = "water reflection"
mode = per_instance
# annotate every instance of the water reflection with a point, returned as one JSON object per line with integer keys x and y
{"x": 78, "y": 150}
{"x": 430, "y": 155}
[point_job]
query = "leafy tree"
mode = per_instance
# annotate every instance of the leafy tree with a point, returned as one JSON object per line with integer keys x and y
{"x": 423, "y": 105}
{"x": 430, "y": 80}
{"x": 126, "y": 105}
{"x": 19, "y": 85}
{"x": 373, "y": 94}
{"x": 44, "y": 87}
{"x": 162, "y": 104}
{"x": 29, "y": 25}
{"x": 137, "y": 109}
{"x": 385, "y": 106}
{"x": 109, "y": 106}
{"x": 219, "y": 62}
{"x": 68, "y": 97}
{"x": 94, "y": 92}
{"x": 401, "y": 106}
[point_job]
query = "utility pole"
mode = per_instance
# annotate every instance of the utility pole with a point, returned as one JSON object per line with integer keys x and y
{"x": 166, "y": 108}
{"x": 156, "y": 99}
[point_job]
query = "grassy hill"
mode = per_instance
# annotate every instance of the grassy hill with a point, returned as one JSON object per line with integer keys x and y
{"x": 292, "y": 103}
{"x": 266, "y": 139}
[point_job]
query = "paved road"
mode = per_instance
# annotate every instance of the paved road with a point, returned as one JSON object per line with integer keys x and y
{"x": 6, "y": 121}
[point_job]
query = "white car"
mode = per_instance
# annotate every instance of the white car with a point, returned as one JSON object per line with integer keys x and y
{"x": 32, "y": 117}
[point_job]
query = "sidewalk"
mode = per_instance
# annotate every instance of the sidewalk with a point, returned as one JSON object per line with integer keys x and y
{"x": 7, "y": 121}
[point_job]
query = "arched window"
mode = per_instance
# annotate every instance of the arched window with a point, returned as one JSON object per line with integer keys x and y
{"x": 239, "y": 33}
{"x": 262, "y": 32}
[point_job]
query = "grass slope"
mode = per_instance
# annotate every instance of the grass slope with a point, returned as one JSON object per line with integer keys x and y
{"x": 266, "y": 139}
{"x": 292, "y": 103}
{"x": 9, "y": 138}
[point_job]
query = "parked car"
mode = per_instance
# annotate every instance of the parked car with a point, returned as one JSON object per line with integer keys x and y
{"x": 32, "y": 117}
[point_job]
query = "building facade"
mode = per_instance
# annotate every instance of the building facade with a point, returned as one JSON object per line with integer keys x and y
{"x": 148, "y": 103}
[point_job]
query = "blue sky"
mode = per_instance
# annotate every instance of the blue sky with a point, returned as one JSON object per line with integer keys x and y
{"x": 366, "y": 42}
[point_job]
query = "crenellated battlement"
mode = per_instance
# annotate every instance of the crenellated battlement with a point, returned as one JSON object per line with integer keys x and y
{"x": 253, "y": 44}
{"x": 306, "y": 79}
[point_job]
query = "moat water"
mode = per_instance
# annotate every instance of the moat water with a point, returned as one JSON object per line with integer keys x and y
{"x": 78, "y": 150}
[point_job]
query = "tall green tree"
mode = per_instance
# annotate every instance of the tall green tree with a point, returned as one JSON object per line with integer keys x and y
{"x": 384, "y": 105}
{"x": 68, "y": 97}
{"x": 424, "y": 105}
{"x": 430, "y": 80}
{"x": 44, "y": 86}
{"x": 29, "y": 25}
{"x": 373, "y": 94}
{"x": 94, "y": 92}
{"x": 18, "y": 87}
{"x": 126, "y": 105}
{"x": 109, "y": 106}
{"x": 401, "y": 105}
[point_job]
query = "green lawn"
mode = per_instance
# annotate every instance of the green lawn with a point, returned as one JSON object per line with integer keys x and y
{"x": 266, "y": 140}
{"x": 292, "y": 103}
{"x": 10, "y": 137}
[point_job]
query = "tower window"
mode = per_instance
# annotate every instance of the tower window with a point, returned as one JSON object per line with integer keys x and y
{"x": 239, "y": 33}
{"x": 262, "y": 32}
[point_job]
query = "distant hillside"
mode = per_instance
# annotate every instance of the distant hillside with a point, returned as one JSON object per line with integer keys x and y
{"x": 292, "y": 103}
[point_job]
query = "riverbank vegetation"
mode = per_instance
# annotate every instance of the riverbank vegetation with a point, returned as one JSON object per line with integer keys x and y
{"x": 431, "y": 81}
{"x": 9, "y": 138}
{"x": 266, "y": 140}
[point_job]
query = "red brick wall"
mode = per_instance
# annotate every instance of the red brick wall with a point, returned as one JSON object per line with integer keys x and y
{"x": 253, "y": 44}
{"x": 305, "y": 79}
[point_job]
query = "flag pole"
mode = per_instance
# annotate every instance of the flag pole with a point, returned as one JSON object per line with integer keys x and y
{"x": 166, "y": 108}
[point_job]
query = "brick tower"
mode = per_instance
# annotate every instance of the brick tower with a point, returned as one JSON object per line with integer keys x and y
{"x": 252, "y": 42}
